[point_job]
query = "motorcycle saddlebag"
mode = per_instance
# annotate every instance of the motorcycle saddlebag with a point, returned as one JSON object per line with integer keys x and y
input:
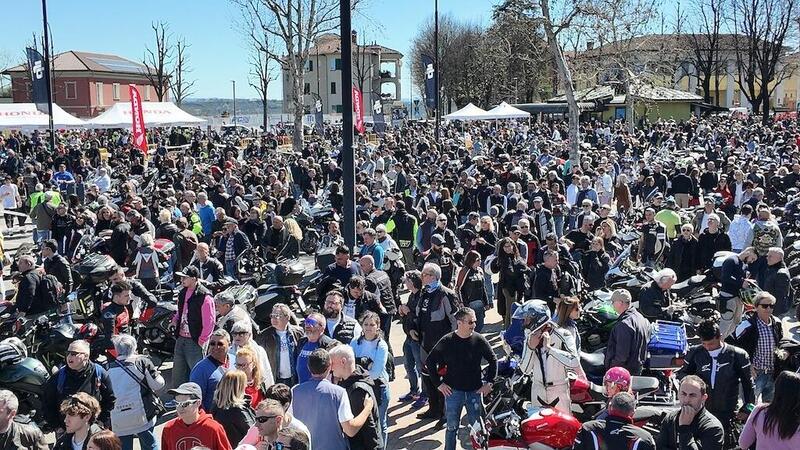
{"x": 96, "y": 267}
{"x": 289, "y": 273}
{"x": 667, "y": 340}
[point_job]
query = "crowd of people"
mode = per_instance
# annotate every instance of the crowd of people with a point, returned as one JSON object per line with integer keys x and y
{"x": 490, "y": 216}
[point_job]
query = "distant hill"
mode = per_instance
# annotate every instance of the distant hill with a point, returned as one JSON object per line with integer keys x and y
{"x": 218, "y": 106}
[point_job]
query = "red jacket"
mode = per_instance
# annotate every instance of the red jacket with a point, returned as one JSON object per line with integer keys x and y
{"x": 204, "y": 432}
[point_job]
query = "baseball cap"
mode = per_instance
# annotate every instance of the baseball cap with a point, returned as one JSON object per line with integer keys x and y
{"x": 190, "y": 389}
{"x": 437, "y": 239}
{"x": 189, "y": 271}
{"x": 537, "y": 199}
{"x": 231, "y": 221}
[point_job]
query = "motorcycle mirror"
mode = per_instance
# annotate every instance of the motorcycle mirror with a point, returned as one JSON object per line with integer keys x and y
{"x": 72, "y": 296}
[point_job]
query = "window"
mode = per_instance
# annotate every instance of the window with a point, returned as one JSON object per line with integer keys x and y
{"x": 71, "y": 90}
{"x": 310, "y": 65}
{"x": 146, "y": 89}
{"x": 99, "y": 86}
{"x": 336, "y": 64}
{"x": 115, "y": 91}
{"x": 306, "y": 88}
{"x": 333, "y": 87}
{"x": 337, "y": 109}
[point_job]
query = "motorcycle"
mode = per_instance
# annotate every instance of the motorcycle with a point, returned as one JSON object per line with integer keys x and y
{"x": 624, "y": 274}
{"x": 90, "y": 275}
{"x": 156, "y": 332}
{"x": 24, "y": 376}
{"x": 47, "y": 337}
{"x": 286, "y": 283}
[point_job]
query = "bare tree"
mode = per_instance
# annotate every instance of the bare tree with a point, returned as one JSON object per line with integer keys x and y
{"x": 704, "y": 42}
{"x": 760, "y": 29}
{"x": 158, "y": 61}
{"x": 262, "y": 73}
{"x": 180, "y": 86}
{"x": 295, "y": 25}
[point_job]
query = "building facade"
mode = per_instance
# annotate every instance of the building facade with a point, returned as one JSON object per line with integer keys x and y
{"x": 376, "y": 71}
{"x": 86, "y": 84}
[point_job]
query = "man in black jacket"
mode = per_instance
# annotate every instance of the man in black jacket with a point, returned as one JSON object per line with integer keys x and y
{"x": 27, "y": 290}
{"x": 275, "y": 238}
{"x": 359, "y": 386}
{"x": 776, "y": 280}
{"x": 339, "y": 326}
{"x": 627, "y": 344}
{"x": 56, "y": 264}
{"x": 655, "y": 300}
{"x": 211, "y": 270}
{"x": 231, "y": 246}
{"x": 378, "y": 282}
{"x": 723, "y": 367}
{"x": 692, "y": 426}
{"x": 616, "y": 431}
{"x": 13, "y": 434}
{"x": 545, "y": 280}
{"x": 80, "y": 374}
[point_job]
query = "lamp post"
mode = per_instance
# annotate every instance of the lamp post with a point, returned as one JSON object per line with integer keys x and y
{"x": 436, "y": 64}
{"x": 234, "y": 101}
{"x": 348, "y": 157}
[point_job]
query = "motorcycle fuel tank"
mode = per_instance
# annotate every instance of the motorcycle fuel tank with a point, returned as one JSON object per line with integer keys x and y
{"x": 551, "y": 427}
{"x": 29, "y": 371}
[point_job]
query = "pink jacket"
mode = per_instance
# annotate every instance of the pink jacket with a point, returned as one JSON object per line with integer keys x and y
{"x": 754, "y": 432}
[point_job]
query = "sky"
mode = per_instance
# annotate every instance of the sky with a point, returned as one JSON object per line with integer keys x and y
{"x": 218, "y": 52}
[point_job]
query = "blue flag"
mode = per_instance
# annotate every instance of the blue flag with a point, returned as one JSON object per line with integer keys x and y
{"x": 429, "y": 69}
{"x": 40, "y": 74}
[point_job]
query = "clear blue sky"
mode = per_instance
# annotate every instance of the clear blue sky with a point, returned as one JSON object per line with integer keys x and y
{"x": 218, "y": 51}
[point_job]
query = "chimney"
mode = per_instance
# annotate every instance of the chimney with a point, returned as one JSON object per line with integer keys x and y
{"x": 354, "y": 37}
{"x": 589, "y": 45}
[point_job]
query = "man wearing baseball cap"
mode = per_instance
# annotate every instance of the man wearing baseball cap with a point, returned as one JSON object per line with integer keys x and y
{"x": 192, "y": 427}
{"x": 193, "y": 323}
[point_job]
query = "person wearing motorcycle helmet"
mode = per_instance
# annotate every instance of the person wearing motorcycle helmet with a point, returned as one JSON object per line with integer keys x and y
{"x": 548, "y": 355}
{"x": 615, "y": 431}
{"x": 616, "y": 380}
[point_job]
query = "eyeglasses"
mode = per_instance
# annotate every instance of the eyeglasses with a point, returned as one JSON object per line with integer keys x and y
{"x": 264, "y": 419}
{"x": 277, "y": 315}
{"x": 767, "y": 305}
{"x": 187, "y": 403}
{"x": 242, "y": 365}
{"x": 72, "y": 353}
{"x": 240, "y": 333}
{"x": 216, "y": 344}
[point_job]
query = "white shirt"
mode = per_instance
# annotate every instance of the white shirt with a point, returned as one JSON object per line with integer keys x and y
{"x": 572, "y": 194}
{"x": 285, "y": 364}
{"x": 9, "y": 194}
{"x": 714, "y": 354}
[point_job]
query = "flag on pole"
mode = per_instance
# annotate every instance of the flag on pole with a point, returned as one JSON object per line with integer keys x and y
{"x": 377, "y": 115}
{"x": 358, "y": 108}
{"x": 139, "y": 135}
{"x": 429, "y": 69}
{"x": 40, "y": 73}
{"x": 318, "y": 119}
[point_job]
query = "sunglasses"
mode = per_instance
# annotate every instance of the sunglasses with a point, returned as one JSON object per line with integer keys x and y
{"x": 767, "y": 305}
{"x": 240, "y": 333}
{"x": 217, "y": 344}
{"x": 280, "y": 446}
{"x": 310, "y": 323}
{"x": 187, "y": 403}
{"x": 470, "y": 322}
{"x": 264, "y": 419}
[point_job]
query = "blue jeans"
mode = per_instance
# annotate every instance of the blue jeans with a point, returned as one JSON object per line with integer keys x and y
{"x": 489, "y": 286}
{"x": 559, "y": 224}
{"x": 452, "y": 412}
{"x": 147, "y": 441}
{"x": 764, "y": 386}
{"x": 480, "y": 313}
{"x": 187, "y": 355}
{"x": 413, "y": 363}
{"x": 383, "y": 416}
{"x": 40, "y": 235}
{"x": 230, "y": 269}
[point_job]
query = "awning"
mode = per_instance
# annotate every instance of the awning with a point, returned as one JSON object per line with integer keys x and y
{"x": 25, "y": 116}
{"x": 156, "y": 114}
{"x": 506, "y": 111}
{"x": 469, "y": 112}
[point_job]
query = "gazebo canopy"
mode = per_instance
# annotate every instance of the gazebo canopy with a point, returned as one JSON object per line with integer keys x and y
{"x": 25, "y": 116}
{"x": 506, "y": 111}
{"x": 156, "y": 114}
{"x": 469, "y": 112}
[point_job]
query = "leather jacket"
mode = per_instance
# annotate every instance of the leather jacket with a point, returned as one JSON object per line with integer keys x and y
{"x": 548, "y": 368}
{"x": 733, "y": 368}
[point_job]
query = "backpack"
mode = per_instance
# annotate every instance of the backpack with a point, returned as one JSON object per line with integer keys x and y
{"x": 48, "y": 290}
{"x": 374, "y": 389}
{"x": 62, "y": 378}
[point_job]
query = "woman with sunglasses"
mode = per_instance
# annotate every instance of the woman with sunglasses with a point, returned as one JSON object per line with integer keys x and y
{"x": 372, "y": 353}
{"x": 247, "y": 362}
{"x": 242, "y": 337}
{"x": 232, "y": 407}
{"x": 80, "y": 412}
{"x": 471, "y": 289}
{"x": 512, "y": 270}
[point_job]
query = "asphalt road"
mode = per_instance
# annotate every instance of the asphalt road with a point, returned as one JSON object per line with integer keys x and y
{"x": 405, "y": 430}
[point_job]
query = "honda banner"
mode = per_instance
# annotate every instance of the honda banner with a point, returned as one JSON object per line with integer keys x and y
{"x": 40, "y": 73}
{"x": 139, "y": 134}
{"x": 430, "y": 81}
{"x": 358, "y": 109}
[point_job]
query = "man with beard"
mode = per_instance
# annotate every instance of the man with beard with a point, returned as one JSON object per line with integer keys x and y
{"x": 440, "y": 255}
{"x": 337, "y": 325}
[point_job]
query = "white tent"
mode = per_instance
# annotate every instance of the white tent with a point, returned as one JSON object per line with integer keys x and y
{"x": 469, "y": 112}
{"x": 156, "y": 114}
{"x": 25, "y": 116}
{"x": 506, "y": 111}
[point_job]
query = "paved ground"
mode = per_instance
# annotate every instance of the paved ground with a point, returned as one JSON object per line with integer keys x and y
{"x": 405, "y": 430}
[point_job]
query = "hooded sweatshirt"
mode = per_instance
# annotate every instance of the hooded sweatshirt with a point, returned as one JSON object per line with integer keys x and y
{"x": 205, "y": 431}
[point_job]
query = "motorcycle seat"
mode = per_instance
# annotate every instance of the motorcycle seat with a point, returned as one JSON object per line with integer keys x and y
{"x": 593, "y": 363}
{"x": 647, "y": 413}
{"x": 643, "y": 385}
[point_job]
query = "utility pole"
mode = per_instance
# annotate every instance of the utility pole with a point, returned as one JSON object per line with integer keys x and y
{"x": 234, "y": 101}
{"x": 436, "y": 63}
{"x": 49, "y": 76}
{"x": 348, "y": 157}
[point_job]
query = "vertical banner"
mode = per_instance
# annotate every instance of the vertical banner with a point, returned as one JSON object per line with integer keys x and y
{"x": 377, "y": 115}
{"x": 40, "y": 73}
{"x": 358, "y": 109}
{"x": 318, "y": 117}
{"x": 139, "y": 135}
{"x": 430, "y": 81}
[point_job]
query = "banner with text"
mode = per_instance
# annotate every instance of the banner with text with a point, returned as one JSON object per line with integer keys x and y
{"x": 139, "y": 134}
{"x": 39, "y": 76}
{"x": 358, "y": 109}
{"x": 429, "y": 69}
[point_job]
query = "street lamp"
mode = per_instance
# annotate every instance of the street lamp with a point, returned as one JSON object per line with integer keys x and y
{"x": 234, "y": 101}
